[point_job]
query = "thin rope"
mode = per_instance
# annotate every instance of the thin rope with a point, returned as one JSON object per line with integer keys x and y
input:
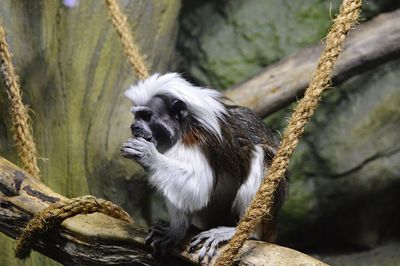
{"x": 119, "y": 21}
{"x": 56, "y": 213}
{"x": 263, "y": 200}
{"x": 21, "y": 126}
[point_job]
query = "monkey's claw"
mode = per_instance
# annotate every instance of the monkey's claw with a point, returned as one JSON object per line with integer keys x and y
{"x": 160, "y": 239}
{"x": 208, "y": 241}
{"x": 157, "y": 229}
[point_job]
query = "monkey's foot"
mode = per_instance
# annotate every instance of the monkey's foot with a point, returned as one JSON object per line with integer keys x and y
{"x": 160, "y": 238}
{"x": 209, "y": 241}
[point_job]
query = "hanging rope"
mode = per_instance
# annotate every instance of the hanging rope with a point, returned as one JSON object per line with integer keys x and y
{"x": 262, "y": 202}
{"x": 119, "y": 21}
{"x": 21, "y": 127}
{"x": 56, "y": 213}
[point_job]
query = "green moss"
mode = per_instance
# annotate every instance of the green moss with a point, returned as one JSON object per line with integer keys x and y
{"x": 240, "y": 39}
{"x": 385, "y": 113}
{"x": 226, "y": 42}
{"x": 300, "y": 206}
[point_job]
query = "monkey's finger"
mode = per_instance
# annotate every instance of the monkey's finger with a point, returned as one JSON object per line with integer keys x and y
{"x": 131, "y": 156}
{"x": 159, "y": 231}
{"x": 132, "y": 141}
{"x": 213, "y": 247}
{"x": 143, "y": 144}
{"x": 161, "y": 224}
{"x": 165, "y": 244}
{"x": 198, "y": 236}
{"x": 149, "y": 238}
{"x": 157, "y": 251}
{"x": 127, "y": 155}
{"x": 126, "y": 147}
{"x": 196, "y": 241}
{"x": 131, "y": 144}
{"x": 194, "y": 245}
{"x": 206, "y": 246}
{"x": 139, "y": 142}
{"x": 143, "y": 140}
{"x": 192, "y": 248}
{"x": 130, "y": 151}
{"x": 202, "y": 254}
{"x": 127, "y": 150}
{"x": 203, "y": 235}
{"x": 127, "y": 144}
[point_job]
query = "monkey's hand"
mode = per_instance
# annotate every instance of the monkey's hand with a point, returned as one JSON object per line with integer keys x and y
{"x": 161, "y": 237}
{"x": 141, "y": 150}
{"x": 208, "y": 241}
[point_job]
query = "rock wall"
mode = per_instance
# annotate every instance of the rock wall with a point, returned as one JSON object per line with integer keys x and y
{"x": 223, "y": 42}
{"x": 344, "y": 175}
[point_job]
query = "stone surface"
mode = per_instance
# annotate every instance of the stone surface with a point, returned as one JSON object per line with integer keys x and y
{"x": 345, "y": 173}
{"x": 223, "y": 42}
{"x": 384, "y": 255}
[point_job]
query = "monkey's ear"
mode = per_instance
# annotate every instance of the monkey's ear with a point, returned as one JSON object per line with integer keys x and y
{"x": 179, "y": 110}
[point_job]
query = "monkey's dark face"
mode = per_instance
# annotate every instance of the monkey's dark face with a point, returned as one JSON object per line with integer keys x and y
{"x": 160, "y": 121}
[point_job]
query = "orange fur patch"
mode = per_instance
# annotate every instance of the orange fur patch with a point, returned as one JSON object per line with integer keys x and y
{"x": 193, "y": 137}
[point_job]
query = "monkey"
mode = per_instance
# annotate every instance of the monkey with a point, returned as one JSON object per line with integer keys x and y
{"x": 206, "y": 158}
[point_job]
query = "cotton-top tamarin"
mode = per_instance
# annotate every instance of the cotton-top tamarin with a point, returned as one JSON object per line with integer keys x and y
{"x": 206, "y": 158}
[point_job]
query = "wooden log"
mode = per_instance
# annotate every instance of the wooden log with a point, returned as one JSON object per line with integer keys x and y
{"x": 370, "y": 44}
{"x": 97, "y": 239}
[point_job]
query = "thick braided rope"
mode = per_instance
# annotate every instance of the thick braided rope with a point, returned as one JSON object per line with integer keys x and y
{"x": 22, "y": 131}
{"x": 56, "y": 213}
{"x": 119, "y": 21}
{"x": 262, "y": 203}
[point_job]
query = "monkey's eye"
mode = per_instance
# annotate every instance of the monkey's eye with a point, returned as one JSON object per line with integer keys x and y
{"x": 179, "y": 110}
{"x": 144, "y": 114}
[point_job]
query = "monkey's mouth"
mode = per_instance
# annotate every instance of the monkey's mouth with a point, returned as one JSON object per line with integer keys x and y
{"x": 150, "y": 139}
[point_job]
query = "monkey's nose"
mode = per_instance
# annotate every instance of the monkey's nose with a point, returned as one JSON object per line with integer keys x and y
{"x": 139, "y": 132}
{"x": 135, "y": 128}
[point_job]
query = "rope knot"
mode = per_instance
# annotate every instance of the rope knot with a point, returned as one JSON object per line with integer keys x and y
{"x": 56, "y": 213}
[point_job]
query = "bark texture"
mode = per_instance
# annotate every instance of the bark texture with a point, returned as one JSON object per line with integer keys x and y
{"x": 97, "y": 239}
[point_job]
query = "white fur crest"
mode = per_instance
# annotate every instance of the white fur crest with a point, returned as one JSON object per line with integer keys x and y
{"x": 184, "y": 176}
{"x": 247, "y": 190}
{"x": 204, "y": 104}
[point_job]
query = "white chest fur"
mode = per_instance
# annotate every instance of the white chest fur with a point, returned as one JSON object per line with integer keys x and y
{"x": 184, "y": 176}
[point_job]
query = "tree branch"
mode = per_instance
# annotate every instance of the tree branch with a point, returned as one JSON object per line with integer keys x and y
{"x": 370, "y": 44}
{"x": 97, "y": 239}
